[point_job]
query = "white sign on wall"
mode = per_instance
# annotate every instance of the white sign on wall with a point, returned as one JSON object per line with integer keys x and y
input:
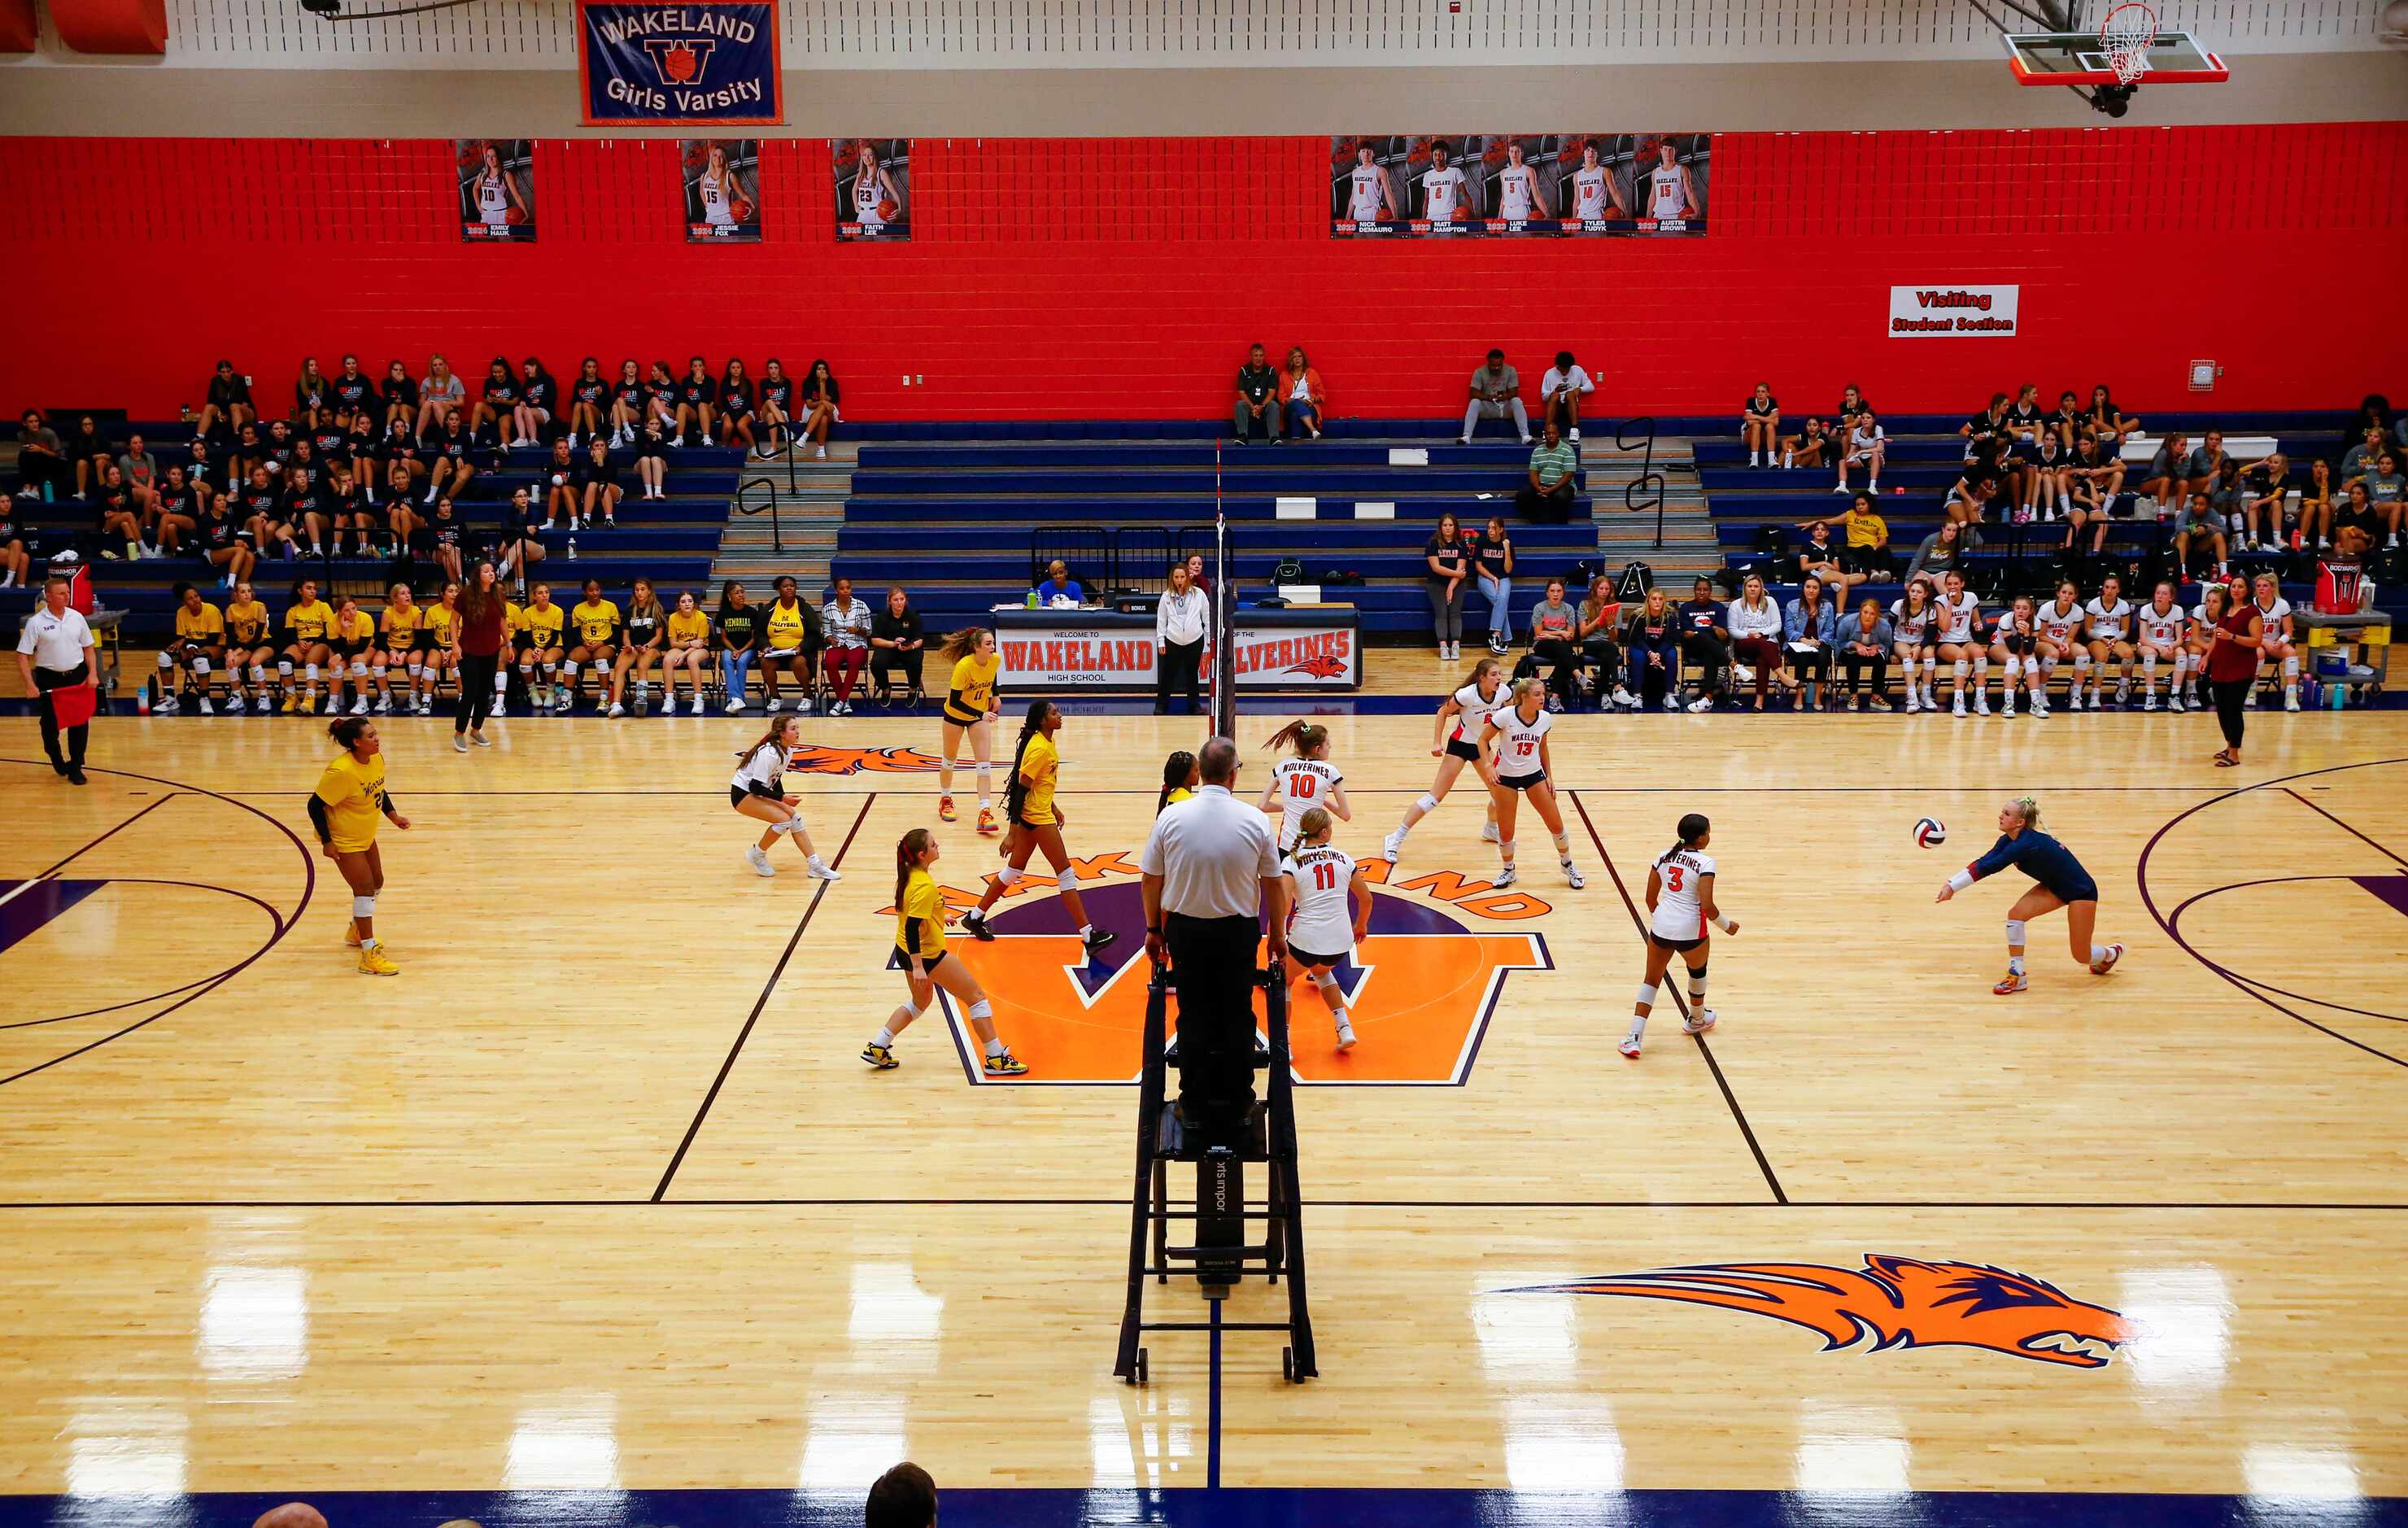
{"x": 1923, "y": 312}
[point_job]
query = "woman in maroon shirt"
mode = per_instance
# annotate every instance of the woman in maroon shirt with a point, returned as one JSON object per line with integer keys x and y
{"x": 480, "y": 647}
{"x": 2235, "y": 633}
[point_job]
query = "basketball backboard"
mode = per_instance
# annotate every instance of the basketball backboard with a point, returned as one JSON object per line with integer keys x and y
{"x": 2079, "y": 58}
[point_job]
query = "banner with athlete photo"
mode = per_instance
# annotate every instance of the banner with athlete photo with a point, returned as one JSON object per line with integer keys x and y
{"x": 1518, "y": 185}
{"x": 722, "y": 190}
{"x": 873, "y": 188}
{"x": 497, "y": 190}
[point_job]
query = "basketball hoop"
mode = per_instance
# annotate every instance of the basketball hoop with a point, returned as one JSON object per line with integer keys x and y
{"x": 2125, "y": 37}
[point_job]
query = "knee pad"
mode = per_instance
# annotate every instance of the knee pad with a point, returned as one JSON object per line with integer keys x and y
{"x": 1006, "y": 877}
{"x": 2082, "y": 663}
{"x": 1428, "y": 803}
{"x": 2014, "y": 668}
{"x": 548, "y": 671}
{"x": 1961, "y": 668}
{"x": 912, "y": 1008}
{"x": 358, "y": 669}
{"x": 166, "y": 660}
{"x": 2049, "y": 666}
{"x": 283, "y": 668}
{"x": 200, "y": 668}
{"x": 310, "y": 673}
{"x": 1648, "y": 994}
{"x": 570, "y": 669}
{"x": 2149, "y": 662}
{"x": 1505, "y": 846}
{"x": 1982, "y": 666}
{"x": 2290, "y": 668}
{"x": 416, "y": 670}
{"x": 1563, "y": 843}
{"x": 1697, "y": 979}
{"x": 258, "y": 673}
{"x": 1067, "y": 881}
{"x": 2016, "y": 932}
{"x": 981, "y": 1009}
{"x": 362, "y": 907}
{"x": 1930, "y": 664}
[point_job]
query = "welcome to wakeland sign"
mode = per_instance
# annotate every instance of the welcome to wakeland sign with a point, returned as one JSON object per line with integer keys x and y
{"x": 700, "y": 62}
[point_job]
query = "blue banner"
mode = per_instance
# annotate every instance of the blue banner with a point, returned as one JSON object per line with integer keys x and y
{"x": 702, "y": 61}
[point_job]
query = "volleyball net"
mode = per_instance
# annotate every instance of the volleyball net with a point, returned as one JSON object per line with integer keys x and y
{"x": 1224, "y": 606}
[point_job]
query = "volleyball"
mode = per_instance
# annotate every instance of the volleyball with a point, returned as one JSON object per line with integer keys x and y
{"x": 1930, "y": 833}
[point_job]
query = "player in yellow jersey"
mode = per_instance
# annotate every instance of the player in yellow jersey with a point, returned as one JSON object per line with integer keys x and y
{"x": 595, "y": 639}
{"x": 438, "y": 630}
{"x": 401, "y": 642}
{"x": 971, "y": 705}
{"x": 513, "y": 627}
{"x": 351, "y": 639}
{"x": 307, "y": 619}
{"x": 687, "y": 646}
{"x": 1035, "y": 824}
{"x": 1180, "y": 777}
{"x": 539, "y": 629}
{"x": 919, "y": 945}
{"x": 199, "y": 646}
{"x": 249, "y": 648}
{"x": 349, "y": 798}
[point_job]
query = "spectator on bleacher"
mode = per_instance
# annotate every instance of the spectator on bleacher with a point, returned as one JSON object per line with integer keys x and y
{"x": 347, "y": 516}
{"x": 447, "y": 541}
{"x": 2206, "y": 463}
{"x": 623, "y": 402}
{"x": 2093, "y": 476}
{"x": 1819, "y": 557}
{"x": 1302, "y": 398}
{"x": 643, "y": 639}
{"x": 597, "y": 483}
{"x": 661, "y": 397}
{"x": 739, "y": 642}
{"x": 360, "y": 453}
{"x": 403, "y": 457}
{"x": 652, "y": 447}
{"x": 453, "y": 459}
{"x": 17, "y": 544}
{"x": 1449, "y": 561}
{"x": 1555, "y": 628}
{"x": 1760, "y": 425}
{"x": 1809, "y": 628}
{"x": 2200, "y": 526}
{"x": 1181, "y": 621}
{"x": 1808, "y": 447}
{"x": 1255, "y": 413}
{"x": 846, "y": 619}
{"x": 776, "y": 408}
{"x": 311, "y": 397}
{"x": 121, "y": 522}
{"x": 2373, "y": 412}
{"x": 1652, "y": 640}
{"x": 2265, "y": 489}
{"x": 789, "y": 635}
{"x": 442, "y": 394}
{"x": 1562, "y": 390}
{"x": 277, "y": 444}
{"x": 685, "y": 645}
{"x": 203, "y": 468}
{"x": 1705, "y": 640}
{"x": 2027, "y": 426}
{"x": 2386, "y": 489}
{"x": 1852, "y": 404}
{"x": 142, "y": 469}
{"x": 397, "y": 397}
{"x": 1864, "y": 641}
{"x": 2109, "y": 423}
{"x": 522, "y": 538}
{"x": 736, "y": 395}
{"x": 1985, "y": 430}
{"x": 1496, "y": 393}
{"x": 226, "y": 405}
{"x": 1599, "y": 633}
{"x": 903, "y": 1497}
{"x": 1494, "y": 571}
{"x": 250, "y": 450}
{"x": 898, "y": 643}
{"x": 561, "y": 492}
{"x": 821, "y": 406}
{"x": 1754, "y": 623}
{"x": 2356, "y": 513}
{"x": 1914, "y": 623}
{"x": 42, "y": 471}
{"x": 354, "y": 391}
{"x": 2065, "y": 422}
{"x": 88, "y": 450}
{"x": 2315, "y": 512}
{"x": 539, "y": 398}
{"x": 1546, "y": 496}
{"x": 1971, "y": 496}
{"x": 2359, "y": 458}
{"x": 2164, "y": 482}
{"x": 175, "y": 511}
{"x": 259, "y": 509}
{"x": 697, "y": 397}
{"x": 498, "y": 401}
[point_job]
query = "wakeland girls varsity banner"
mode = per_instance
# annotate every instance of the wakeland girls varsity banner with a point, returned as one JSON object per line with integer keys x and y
{"x": 703, "y": 61}
{"x": 1519, "y": 185}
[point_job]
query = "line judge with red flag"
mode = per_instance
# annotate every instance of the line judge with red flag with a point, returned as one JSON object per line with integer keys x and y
{"x": 56, "y": 658}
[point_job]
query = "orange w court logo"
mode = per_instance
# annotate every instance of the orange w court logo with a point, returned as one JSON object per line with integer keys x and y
{"x": 1895, "y": 1302}
{"x": 820, "y": 758}
{"x": 1420, "y": 990}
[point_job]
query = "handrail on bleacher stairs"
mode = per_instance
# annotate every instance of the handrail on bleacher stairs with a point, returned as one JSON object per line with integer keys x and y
{"x": 1649, "y": 480}
{"x": 745, "y": 506}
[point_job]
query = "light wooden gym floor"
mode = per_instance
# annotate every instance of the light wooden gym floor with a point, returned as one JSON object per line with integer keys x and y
{"x": 596, "y": 1196}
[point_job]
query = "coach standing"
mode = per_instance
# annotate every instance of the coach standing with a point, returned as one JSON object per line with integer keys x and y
{"x": 56, "y": 658}
{"x": 1211, "y": 876}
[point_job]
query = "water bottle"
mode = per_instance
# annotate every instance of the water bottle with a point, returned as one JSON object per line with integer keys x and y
{"x": 1032, "y": 599}
{"x": 572, "y": 549}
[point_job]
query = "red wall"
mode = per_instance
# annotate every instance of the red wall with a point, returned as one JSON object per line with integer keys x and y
{"x": 1123, "y": 278}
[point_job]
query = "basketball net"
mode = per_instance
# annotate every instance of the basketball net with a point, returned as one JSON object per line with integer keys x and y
{"x": 2125, "y": 36}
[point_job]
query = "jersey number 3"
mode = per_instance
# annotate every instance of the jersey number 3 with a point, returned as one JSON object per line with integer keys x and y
{"x": 1672, "y": 876}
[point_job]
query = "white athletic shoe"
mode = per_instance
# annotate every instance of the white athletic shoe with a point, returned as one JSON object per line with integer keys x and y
{"x": 2150, "y": 703}
{"x": 167, "y": 706}
{"x": 734, "y": 704}
{"x": 1346, "y": 1035}
{"x": 1699, "y": 1022}
{"x": 2006, "y": 704}
{"x": 1671, "y": 702}
{"x": 568, "y": 703}
{"x": 1930, "y": 701}
{"x": 1742, "y": 673}
{"x": 1488, "y": 832}
{"x": 819, "y": 871}
{"x": 777, "y": 704}
{"x": 617, "y": 710}
{"x": 359, "y": 705}
{"x": 500, "y": 710}
{"x": 2040, "y": 705}
{"x": 384, "y": 705}
{"x": 1957, "y": 709}
{"x": 209, "y": 709}
{"x": 2100, "y": 968}
{"x": 1622, "y": 698}
{"x": 803, "y": 706}
{"x": 1913, "y": 702}
{"x": 759, "y": 861}
{"x": 1393, "y": 845}
{"x": 1505, "y": 876}
{"x": 1982, "y": 704}
{"x": 235, "y": 705}
{"x": 2249, "y": 701}
{"x": 2290, "y": 701}
{"x": 2173, "y": 703}
{"x": 695, "y": 709}
{"x": 1702, "y": 704}
{"x": 1629, "y": 1046}
{"x": 1572, "y": 875}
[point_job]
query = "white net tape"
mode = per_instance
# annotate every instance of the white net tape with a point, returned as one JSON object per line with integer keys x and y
{"x": 2125, "y": 36}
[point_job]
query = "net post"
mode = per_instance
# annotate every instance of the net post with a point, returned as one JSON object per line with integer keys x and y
{"x": 1225, "y": 601}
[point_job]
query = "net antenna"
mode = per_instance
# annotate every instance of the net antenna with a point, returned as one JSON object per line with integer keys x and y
{"x": 2125, "y": 37}
{"x": 1224, "y": 602}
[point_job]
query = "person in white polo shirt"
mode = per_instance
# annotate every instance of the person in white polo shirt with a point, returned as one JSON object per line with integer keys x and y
{"x": 56, "y": 653}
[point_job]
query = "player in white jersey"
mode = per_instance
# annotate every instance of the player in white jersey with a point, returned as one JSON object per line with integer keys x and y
{"x": 1519, "y": 731}
{"x": 1457, "y": 742}
{"x": 2275, "y": 612}
{"x": 2015, "y": 644}
{"x": 1670, "y": 194}
{"x": 718, "y": 189}
{"x": 759, "y": 790}
{"x": 1914, "y": 622}
{"x": 1680, "y": 909}
{"x": 1592, "y": 190}
{"x": 2108, "y": 628}
{"x": 1519, "y": 196}
{"x": 498, "y": 192}
{"x": 1367, "y": 199}
{"x": 1959, "y": 645}
{"x": 2161, "y": 623}
{"x": 2060, "y": 624}
{"x": 1445, "y": 194}
{"x": 1300, "y": 783}
{"x": 874, "y": 190}
{"x": 1332, "y": 910}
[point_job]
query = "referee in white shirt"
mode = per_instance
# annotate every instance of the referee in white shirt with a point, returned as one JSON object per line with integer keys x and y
{"x": 56, "y": 653}
{"x": 1212, "y": 880}
{"x": 1179, "y": 626}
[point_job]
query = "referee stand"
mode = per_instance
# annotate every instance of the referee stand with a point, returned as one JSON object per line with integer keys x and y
{"x": 1220, "y": 1255}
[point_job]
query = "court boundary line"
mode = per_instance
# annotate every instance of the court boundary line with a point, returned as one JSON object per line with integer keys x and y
{"x": 760, "y": 1005}
{"x": 1415, "y": 790}
{"x": 49, "y": 872}
{"x": 1729, "y": 1098}
{"x": 2156, "y": 1206}
{"x": 2345, "y": 828}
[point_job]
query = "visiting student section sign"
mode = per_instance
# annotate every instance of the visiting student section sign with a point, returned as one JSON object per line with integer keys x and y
{"x": 700, "y": 60}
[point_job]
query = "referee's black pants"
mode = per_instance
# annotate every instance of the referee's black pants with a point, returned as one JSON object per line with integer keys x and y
{"x": 1212, "y": 973}
{"x": 45, "y": 681}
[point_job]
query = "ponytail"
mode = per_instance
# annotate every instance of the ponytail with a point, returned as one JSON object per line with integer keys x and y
{"x": 907, "y": 859}
{"x": 1307, "y": 736}
{"x": 958, "y": 645}
{"x": 1692, "y": 827}
{"x": 347, "y": 731}
{"x": 1016, "y": 790}
{"x": 1175, "y": 771}
{"x": 777, "y": 730}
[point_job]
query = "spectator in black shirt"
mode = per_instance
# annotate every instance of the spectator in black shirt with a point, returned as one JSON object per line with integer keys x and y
{"x": 897, "y": 642}
{"x": 452, "y": 460}
{"x": 626, "y": 403}
{"x": 357, "y": 451}
{"x": 777, "y": 407}
{"x": 1255, "y": 413}
{"x": 354, "y": 390}
{"x": 399, "y": 397}
{"x": 330, "y": 436}
{"x": 661, "y": 397}
{"x": 1704, "y": 640}
{"x": 311, "y": 397}
{"x": 1449, "y": 561}
{"x": 560, "y": 488}
{"x": 42, "y": 468}
{"x": 1983, "y": 428}
{"x": 589, "y": 399}
{"x": 220, "y": 540}
{"x": 696, "y": 395}
{"x": 175, "y": 510}
{"x": 347, "y": 513}
{"x": 497, "y": 399}
{"x": 249, "y": 450}
{"x": 120, "y": 518}
{"x": 275, "y": 449}
{"x": 522, "y": 539}
{"x": 736, "y": 407}
{"x": 261, "y": 509}
{"x": 598, "y": 485}
{"x": 445, "y": 541}
{"x": 653, "y": 458}
{"x": 88, "y": 450}
{"x": 538, "y": 394}
{"x": 821, "y": 405}
{"x": 228, "y": 405}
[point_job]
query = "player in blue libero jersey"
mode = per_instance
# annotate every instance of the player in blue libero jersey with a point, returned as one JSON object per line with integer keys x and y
{"x": 2063, "y": 883}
